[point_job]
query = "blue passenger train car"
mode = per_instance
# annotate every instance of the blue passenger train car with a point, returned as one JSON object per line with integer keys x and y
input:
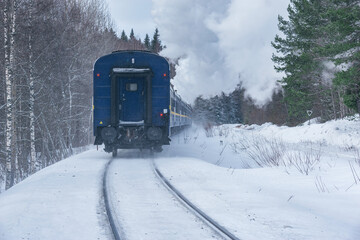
{"x": 132, "y": 107}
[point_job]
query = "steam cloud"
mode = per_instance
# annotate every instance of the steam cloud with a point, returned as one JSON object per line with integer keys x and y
{"x": 220, "y": 43}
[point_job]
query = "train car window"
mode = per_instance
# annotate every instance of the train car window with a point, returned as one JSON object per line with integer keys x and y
{"x": 131, "y": 87}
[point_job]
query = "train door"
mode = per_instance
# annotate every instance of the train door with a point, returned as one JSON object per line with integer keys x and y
{"x": 132, "y": 103}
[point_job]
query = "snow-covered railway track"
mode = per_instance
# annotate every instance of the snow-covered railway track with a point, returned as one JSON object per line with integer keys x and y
{"x": 201, "y": 214}
{"x": 109, "y": 210}
{"x": 140, "y": 207}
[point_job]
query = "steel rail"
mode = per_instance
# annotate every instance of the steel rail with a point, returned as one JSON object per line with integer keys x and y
{"x": 211, "y": 222}
{"x": 109, "y": 211}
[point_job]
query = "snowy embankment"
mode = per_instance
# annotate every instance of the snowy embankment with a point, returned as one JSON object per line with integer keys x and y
{"x": 261, "y": 182}
{"x": 298, "y": 183}
{"x": 62, "y": 201}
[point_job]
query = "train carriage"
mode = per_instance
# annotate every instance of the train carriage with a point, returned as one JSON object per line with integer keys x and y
{"x": 132, "y": 107}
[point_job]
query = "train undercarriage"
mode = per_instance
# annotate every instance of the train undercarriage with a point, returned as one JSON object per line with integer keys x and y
{"x": 132, "y": 137}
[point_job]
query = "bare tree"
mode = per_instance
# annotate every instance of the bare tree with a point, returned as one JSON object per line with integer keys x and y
{"x": 46, "y": 79}
{"x": 10, "y": 8}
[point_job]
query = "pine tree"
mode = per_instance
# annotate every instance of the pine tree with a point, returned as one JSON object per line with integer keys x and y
{"x": 201, "y": 110}
{"x": 236, "y": 99}
{"x": 344, "y": 48}
{"x": 300, "y": 59}
{"x": 132, "y": 35}
{"x": 124, "y": 37}
{"x": 156, "y": 46}
{"x": 147, "y": 42}
{"x": 320, "y": 31}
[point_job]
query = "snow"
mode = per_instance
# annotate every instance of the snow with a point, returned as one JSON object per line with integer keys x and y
{"x": 253, "y": 204}
{"x": 313, "y": 196}
{"x": 162, "y": 216}
{"x": 62, "y": 201}
{"x": 131, "y": 123}
{"x": 310, "y": 189}
{"x": 131, "y": 70}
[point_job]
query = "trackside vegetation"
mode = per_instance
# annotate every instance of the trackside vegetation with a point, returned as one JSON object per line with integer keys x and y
{"x": 318, "y": 52}
{"x": 47, "y": 52}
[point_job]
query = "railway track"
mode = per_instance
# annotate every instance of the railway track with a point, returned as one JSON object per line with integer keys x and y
{"x": 139, "y": 200}
{"x": 206, "y": 218}
{"x": 109, "y": 210}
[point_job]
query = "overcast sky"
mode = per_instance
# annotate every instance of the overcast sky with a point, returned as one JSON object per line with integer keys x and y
{"x": 219, "y": 42}
{"x": 134, "y": 14}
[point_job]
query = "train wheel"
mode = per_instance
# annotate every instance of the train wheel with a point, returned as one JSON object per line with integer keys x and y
{"x": 114, "y": 152}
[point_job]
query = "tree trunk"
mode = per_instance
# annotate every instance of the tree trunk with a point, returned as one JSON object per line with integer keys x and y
{"x": 34, "y": 164}
{"x": 10, "y": 130}
{"x": 341, "y": 104}
{"x": 333, "y": 103}
{"x": 70, "y": 139}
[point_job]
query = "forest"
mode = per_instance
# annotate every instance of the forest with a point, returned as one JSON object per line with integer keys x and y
{"x": 47, "y": 52}
{"x": 48, "y": 48}
{"x": 318, "y": 52}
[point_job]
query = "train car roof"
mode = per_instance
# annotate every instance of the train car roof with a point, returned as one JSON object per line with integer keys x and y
{"x": 125, "y": 52}
{"x": 117, "y": 51}
{"x": 143, "y": 59}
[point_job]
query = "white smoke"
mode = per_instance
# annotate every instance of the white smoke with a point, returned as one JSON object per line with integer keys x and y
{"x": 220, "y": 43}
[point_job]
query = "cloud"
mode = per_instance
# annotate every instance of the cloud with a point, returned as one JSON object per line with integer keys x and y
{"x": 129, "y": 15}
{"x": 220, "y": 43}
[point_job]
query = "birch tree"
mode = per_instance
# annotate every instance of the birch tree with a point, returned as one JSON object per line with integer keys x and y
{"x": 34, "y": 165}
{"x": 9, "y": 48}
{"x": 46, "y": 79}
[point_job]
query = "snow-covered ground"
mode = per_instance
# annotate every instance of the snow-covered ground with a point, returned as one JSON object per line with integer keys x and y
{"x": 261, "y": 182}
{"x": 59, "y": 202}
{"x": 145, "y": 209}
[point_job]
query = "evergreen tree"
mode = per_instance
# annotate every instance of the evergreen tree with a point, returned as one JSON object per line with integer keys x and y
{"x": 317, "y": 32}
{"x": 344, "y": 48}
{"x": 124, "y": 37}
{"x": 156, "y": 46}
{"x": 236, "y": 108}
{"x": 132, "y": 35}
{"x": 201, "y": 110}
{"x": 147, "y": 42}
{"x": 300, "y": 57}
{"x": 236, "y": 98}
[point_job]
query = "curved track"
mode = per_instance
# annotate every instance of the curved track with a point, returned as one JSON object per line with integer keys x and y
{"x": 113, "y": 214}
{"x": 109, "y": 211}
{"x": 211, "y": 222}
